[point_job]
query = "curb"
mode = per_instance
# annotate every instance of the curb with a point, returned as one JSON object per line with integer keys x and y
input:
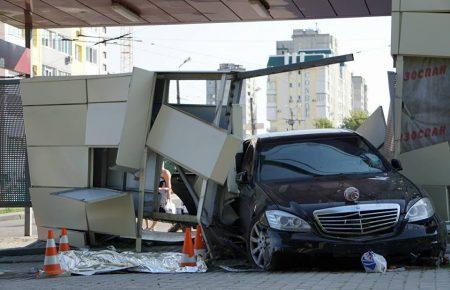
{"x": 12, "y": 216}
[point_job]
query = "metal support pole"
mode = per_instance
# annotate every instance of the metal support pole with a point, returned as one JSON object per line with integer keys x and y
{"x": 142, "y": 174}
{"x": 188, "y": 185}
{"x": 219, "y": 100}
{"x": 28, "y": 211}
{"x": 178, "y": 92}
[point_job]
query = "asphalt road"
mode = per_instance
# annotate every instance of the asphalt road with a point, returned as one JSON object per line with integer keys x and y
{"x": 11, "y": 234}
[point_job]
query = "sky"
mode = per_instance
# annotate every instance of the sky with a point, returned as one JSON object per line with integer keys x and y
{"x": 250, "y": 44}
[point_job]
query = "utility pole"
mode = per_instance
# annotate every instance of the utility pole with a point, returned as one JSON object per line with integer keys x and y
{"x": 126, "y": 50}
{"x": 291, "y": 120}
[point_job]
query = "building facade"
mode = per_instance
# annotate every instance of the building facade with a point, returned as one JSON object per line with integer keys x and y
{"x": 359, "y": 93}
{"x": 61, "y": 52}
{"x": 295, "y": 100}
{"x": 71, "y": 51}
{"x": 247, "y": 101}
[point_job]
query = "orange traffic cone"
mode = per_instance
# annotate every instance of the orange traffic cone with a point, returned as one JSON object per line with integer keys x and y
{"x": 51, "y": 261}
{"x": 188, "y": 258}
{"x": 199, "y": 246}
{"x": 64, "y": 245}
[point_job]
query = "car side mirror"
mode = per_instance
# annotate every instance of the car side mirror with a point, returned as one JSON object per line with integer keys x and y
{"x": 242, "y": 177}
{"x": 396, "y": 164}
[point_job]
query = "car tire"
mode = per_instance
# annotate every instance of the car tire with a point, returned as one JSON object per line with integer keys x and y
{"x": 259, "y": 246}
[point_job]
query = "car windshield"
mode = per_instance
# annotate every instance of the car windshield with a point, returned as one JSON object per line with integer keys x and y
{"x": 317, "y": 158}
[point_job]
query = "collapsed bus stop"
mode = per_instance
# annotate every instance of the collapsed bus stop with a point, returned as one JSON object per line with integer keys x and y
{"x": 414, "y": 36}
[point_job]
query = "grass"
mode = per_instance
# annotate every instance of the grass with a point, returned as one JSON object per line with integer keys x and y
{"x": 10, "y": 209}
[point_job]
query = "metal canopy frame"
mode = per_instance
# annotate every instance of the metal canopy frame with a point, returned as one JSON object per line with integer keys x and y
{"x": 236, "y": 79}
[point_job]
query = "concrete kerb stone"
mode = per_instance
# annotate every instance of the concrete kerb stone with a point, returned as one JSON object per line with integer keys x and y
{"x": 12, "y": 216}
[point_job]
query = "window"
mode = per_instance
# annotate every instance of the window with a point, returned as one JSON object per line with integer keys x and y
{"x": 104, "y": 54}
{"x": 14, "y": 31}
{"x": 290, "y": 85}
{"x": 48, "y": 71}
{"x": 315, "y": 158}
{"x": 78, "y": 52}
{"x": 290, "y": 99}
{"x": 91, "y": 54}
{"x": 64, "y": 45}
{"x": 104, "y": 67}
{"x": 45, "y": 37}
{"x": 306, "y": 110}
{"x": 53, "y": 37}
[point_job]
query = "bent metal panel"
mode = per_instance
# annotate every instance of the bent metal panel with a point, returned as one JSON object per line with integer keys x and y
{"x": 426, "y": 102}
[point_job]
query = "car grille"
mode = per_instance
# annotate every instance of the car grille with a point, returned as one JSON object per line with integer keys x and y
{"x": 357, "y": 220}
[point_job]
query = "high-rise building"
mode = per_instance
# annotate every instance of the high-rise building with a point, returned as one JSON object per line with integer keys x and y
{"x": 62, "y": 52}
{"x": 247, "y": 95}
{"x": 359, "y": 93}
{"x": 296, "y": 99}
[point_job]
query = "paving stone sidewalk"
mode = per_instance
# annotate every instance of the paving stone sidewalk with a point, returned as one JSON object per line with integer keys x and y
{"x": 408, "y": 279}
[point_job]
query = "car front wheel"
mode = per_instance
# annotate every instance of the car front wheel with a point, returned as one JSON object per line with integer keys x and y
{"x": 259, "y": 247}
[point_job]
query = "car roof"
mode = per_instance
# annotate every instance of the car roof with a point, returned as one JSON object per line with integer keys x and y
{"x": 300, "y": 134}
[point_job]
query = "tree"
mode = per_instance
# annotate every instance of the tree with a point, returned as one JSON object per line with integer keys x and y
{"x": 357, "y": 117}
{"x": 323, "y": 123}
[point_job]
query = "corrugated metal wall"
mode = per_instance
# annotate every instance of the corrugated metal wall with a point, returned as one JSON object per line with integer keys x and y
{"x": 14, "y": 174}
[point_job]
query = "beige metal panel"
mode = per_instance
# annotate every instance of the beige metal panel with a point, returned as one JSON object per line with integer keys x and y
{"x": 428, "y": 165}
{"x": 104, "y": 123}
{"x": 53, "y": 92}
{"x": 200, "y": 147}
{"x": 137, "y": 119}
{"x": 108, "y": 89}
{"x": 238, "y": 130}
{"x": 425, "y": 6}
{"x": 374, "y": 128}
{"x": 395, "y": 32}
{"x": 439, "y": 196}
{"x": 59, "y": 166}
{"x": 396, "y": 5}
{"x": 76, "y": 238}
{"x": 422, "y": 34}
{"x": 55, "y": 125}
{"x": 56, "y": 212}
{"x": 114, "y": 216}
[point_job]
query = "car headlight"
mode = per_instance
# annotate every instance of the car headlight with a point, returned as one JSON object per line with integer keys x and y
{"x": 421, "y": 210}
{"x": 284, "y": 221}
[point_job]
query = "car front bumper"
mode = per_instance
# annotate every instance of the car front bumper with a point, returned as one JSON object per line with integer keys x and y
{"x": 410, "y": 240}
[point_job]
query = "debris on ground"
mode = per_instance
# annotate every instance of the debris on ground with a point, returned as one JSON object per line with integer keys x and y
{"x": 373, "y": 263}
{"x": 93, "y": 262}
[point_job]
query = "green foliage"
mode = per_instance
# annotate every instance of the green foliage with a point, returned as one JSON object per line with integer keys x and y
{"x": 357, "y": 117}
{"x": 323, "y": 123}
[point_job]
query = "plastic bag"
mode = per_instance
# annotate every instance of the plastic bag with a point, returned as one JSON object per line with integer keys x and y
{"x": 170, "y": 207}
{"x": 373, "y": 263}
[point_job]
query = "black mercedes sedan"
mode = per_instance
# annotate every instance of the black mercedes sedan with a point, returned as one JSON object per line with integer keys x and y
{"x": 329, "y": 191}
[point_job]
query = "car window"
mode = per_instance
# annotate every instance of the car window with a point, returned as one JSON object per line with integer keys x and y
{"x": 316, "y": 158}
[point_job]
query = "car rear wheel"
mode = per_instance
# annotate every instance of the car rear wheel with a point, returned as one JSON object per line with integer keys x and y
{"x": 260, "y": 247}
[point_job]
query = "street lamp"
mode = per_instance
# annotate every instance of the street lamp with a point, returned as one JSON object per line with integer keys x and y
{"x": 178, "y": 81}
